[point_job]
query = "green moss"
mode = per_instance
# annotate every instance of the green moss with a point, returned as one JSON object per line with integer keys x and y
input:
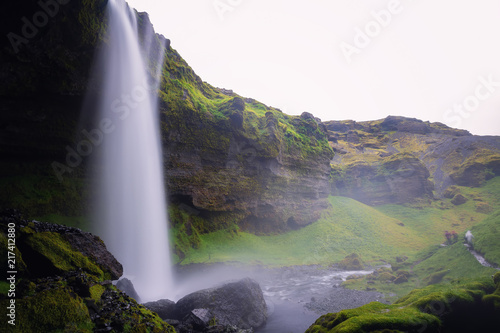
{"x": 52, "y": 310}
{"x": 35, "y": 191}
{"x": 375, "y": 316}
{"x": 351, "y": 262}
{"x": 96, "y": 292}
{"x": 92, "y": 18}
{"x": 20, "y": 265}
{"x": 477, "y": 169}
{"x": 445, "y": 307}
{"x": 61, "y": 255}
{"x": 135, "y": 318}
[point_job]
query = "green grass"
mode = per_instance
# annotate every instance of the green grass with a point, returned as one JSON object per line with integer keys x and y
{"x": 374, "y": 233}
{"x": 487, "y": 238}
{"x": 347, "y": 226}
{"x": 431, "y": 221}
{"x": 432, "y": 265}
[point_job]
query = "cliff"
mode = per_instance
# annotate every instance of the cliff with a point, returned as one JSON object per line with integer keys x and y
{"x": 230, "y": 161}
{"x": 227, "y": 157}
{"x": 402, "y": 160}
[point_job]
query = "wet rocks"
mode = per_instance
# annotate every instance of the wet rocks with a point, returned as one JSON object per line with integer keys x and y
{"x": 127, "y": 287}
{"x": 232, "y": 307}
{"x": 165, "y": 308}
{"x": 340, "y": 298}
{"x": 66, "y": 283}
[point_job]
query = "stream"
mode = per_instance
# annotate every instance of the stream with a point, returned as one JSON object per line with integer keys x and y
{"x": 479, "y": 257}
{"x": 295, "y": 296}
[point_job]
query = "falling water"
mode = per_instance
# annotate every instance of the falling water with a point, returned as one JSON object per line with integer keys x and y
{"x": 131, "y": 212}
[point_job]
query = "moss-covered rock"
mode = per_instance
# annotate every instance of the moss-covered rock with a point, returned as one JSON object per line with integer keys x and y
{"x": 351, "y": 262}
{"x": 52, "y": 309}
{"x": 460, "y": 307}
{"x": 442, "y": 156}
{"x": 458, "y": 199}
{"x": 493, "y": 300}
{"x": 62, "y": 282}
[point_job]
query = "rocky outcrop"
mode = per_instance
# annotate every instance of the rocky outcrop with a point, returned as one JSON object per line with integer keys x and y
{"x": 128, "y": 288}
{"x": 62, "y": 282}
{"x": 402, "y": 160}
{"x": 238, "y": 304}
{"x": 472, "y": 306}
{"x": 165, "y": 308}
{"x": 230, "y": 162}
{"x": 400, "y": 178}
{"x": 227, "y": 158}
{"x": 51, "y": 249}
{"x": 351, "y": 262}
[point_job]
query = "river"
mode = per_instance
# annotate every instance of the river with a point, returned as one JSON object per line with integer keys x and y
{"x": 295, "y": 296}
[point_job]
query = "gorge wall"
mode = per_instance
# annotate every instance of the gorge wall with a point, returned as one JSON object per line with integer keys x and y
{"x": 229, "y": 160}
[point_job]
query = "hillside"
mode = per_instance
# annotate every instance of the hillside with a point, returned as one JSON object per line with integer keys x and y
{"x": 348, "y": 226}
{"x": 231, "y": 158}
{"x": 231, "y": 162}
{"x": 402, "y": 160}
{"x": 246, "y": 184}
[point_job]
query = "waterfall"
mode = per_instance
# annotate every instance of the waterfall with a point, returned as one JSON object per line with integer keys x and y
{"x": 131, "y": 213}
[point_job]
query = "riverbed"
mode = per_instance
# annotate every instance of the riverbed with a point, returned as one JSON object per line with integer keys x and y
{"x": 295, "y": 296}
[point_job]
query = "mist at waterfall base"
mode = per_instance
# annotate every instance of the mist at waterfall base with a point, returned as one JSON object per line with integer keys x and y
{"x": 131, "y": 213}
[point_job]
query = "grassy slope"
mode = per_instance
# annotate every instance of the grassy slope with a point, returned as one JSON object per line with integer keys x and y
{"x": 374, "y": 233}
{"x": 348, "y": 226}
{"x": 441, "y": 264}
{"x": 431, "y": 221}
{"x": 487, "y": 238}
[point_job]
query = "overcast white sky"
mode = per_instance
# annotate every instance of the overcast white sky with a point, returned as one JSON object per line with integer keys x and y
{"x": 432, "y": 60}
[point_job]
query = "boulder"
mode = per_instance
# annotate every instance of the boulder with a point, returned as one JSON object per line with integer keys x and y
{"x": 351, "y": 263}
{"x": 55, "y": 249}
{"x": 199, "y": 319}
{"x": 240, "y": 303}
{"x": 458, "y": 199}
{"x": 64, "y": 284}
{"x": 165, "y": 308}
{"x": 127, "y": 287}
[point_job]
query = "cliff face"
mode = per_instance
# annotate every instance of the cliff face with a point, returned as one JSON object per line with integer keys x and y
{"x": 229, "y": 160}
{"x": 402, "y": 160}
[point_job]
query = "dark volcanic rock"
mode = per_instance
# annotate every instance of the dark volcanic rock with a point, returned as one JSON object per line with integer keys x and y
{"x": 39, "y": 244}
{"x": 62, "y": 285}
{"x": 238, "y": 303}
{"x": 165, "y": 308}
{"x": 127, "y": 287}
